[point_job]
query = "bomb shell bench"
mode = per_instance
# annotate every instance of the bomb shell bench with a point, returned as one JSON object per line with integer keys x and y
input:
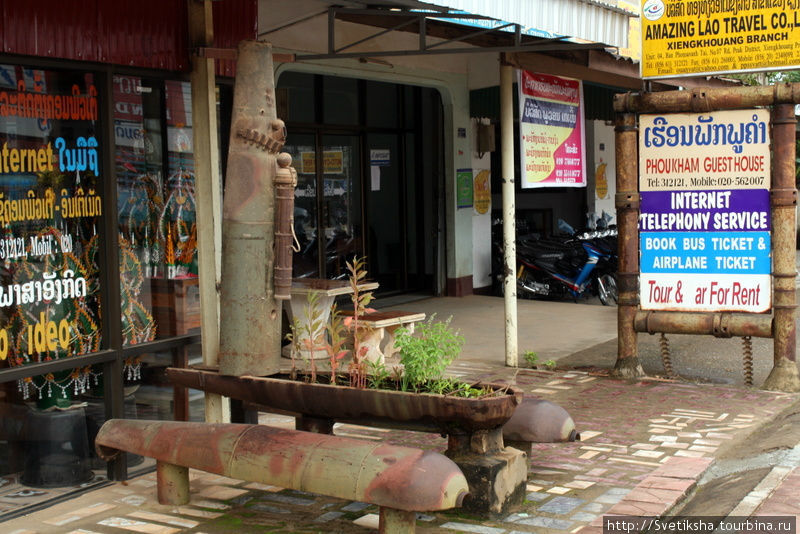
{"x": 401, "y": 480}
{"x": 538, "y": 421}
{"x": 379, "y": 323}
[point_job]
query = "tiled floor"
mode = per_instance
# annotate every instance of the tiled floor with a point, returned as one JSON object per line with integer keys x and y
{"x": 629, "y": 431}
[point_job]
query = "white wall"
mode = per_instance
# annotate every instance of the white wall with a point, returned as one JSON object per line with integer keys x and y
{"x": 481, "y": 223}
{"x": 603, "y": 168}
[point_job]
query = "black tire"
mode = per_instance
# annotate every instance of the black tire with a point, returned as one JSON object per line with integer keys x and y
{"x": 607, "y": 290}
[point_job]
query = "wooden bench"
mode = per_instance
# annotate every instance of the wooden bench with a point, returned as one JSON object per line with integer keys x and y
{"x": 401, "y": 480}
{"x": 384, "y": 323}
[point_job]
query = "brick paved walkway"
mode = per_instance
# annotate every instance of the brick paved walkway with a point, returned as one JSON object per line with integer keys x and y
{"x": 644, "y": 444}
{"x": 785, "y": 499}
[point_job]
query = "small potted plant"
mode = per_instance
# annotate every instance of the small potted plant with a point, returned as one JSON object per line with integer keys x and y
{"x": 417, "y": 393}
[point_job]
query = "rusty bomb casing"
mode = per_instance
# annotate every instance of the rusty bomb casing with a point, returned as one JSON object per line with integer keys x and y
{"x": 397, "y": 477}
{"x": 250, "y": 315}
{"x": 540, "y": 421}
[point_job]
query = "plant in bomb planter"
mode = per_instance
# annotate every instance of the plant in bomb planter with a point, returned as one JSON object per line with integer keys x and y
{"x": 312, "y": 334}
{"x": 424, "y": 357}
{"x": 361, "y": 299}
{"x": 419, "y": 398}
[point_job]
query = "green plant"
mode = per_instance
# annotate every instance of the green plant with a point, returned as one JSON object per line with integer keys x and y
{"x": 550, "y": 364}
{"x": 426, "y": 355}
{"x": 441, "y": 386}
{"x": 337, "y": 333}
{"x": 531, "y": 357}
{"x": 294, "y": 329}
{"x": 378, "y": 374}
{"x": 311, "y": 332}
{"x": 457, "y": 388}
{"x": 361, "y": 300}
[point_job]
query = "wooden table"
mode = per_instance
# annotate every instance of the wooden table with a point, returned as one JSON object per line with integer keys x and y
{"x": 302, "y": 308}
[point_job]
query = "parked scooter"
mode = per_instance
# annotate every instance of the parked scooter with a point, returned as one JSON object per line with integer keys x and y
{"x": 577, "y": 265}
{"x": 603, "y": 235}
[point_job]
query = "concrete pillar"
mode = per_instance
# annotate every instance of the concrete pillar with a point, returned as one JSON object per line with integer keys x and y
{"x": 509, "y": 210}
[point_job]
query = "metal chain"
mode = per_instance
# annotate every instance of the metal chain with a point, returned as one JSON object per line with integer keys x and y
{"x": 747, "y": 349}
{"x": 666, "y": 358}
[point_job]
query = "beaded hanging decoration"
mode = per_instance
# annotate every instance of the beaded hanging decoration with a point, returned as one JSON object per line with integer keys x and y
{"x": 144, "y": 208}
{"x": 84, "y": 333}
{"x": 177, "y": 228}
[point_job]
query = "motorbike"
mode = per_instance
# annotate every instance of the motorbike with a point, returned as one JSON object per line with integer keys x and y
{"x": 576, "y": 264}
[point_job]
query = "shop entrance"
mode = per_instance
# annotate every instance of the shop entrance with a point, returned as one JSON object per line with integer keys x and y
{"x": 369, "y": 187}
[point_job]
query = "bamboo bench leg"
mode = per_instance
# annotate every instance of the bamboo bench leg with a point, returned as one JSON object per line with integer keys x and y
{"x": 372, "y": 341}
{"x": 172, "y": 483}
{"x": 389, "y": 350}
{"x": 394, "y": 521}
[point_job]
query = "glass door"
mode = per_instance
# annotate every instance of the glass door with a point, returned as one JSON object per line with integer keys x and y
{"x": 327, "y": 204}
{"x": 302, "y": 148}
{"x": 340, "y": 217}
{"x": 386, "y": 249}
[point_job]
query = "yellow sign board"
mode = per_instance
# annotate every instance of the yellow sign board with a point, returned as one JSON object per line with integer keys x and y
{"x": 333, "y": 162}
{"x": 703, "y": 37}
{"x": 482, "y": 192}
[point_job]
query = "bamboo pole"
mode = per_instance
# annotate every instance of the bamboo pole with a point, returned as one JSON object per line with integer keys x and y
{"x": 208, "y": 190}
{"x": 783, "y": 196}
{"x": 627, "y": 203}
{"x": 509, "y": 223}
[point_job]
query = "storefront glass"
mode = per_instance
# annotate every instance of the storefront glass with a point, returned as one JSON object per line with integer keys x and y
{"x": 51, "y": 208}
{"x": 341, "y": 203}
{"x": 156, "y": 208}
{"x": 157, "y": 235}
{"x": 52, "y": 215}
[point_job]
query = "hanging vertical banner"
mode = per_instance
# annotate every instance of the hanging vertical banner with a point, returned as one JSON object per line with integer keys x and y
{"x": 552, "y": 149}
{"x": 482, "y": 192}
{"x": 464, "y": 188}
{"x": 704, "y": 225}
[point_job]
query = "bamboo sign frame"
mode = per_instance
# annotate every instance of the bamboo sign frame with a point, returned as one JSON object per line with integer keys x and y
{"x": 780, "y": 324}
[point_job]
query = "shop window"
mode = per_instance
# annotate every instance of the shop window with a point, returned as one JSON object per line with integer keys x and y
{"x": 340, "y": 100}
{"x": 295, "y": 97}
{"x": 156, "y": 208}
{"x": 51, "y": 208}
{"x": 157, "y": 220}
{"x": 367, "y": 178}
{"x": 382, "y": 104}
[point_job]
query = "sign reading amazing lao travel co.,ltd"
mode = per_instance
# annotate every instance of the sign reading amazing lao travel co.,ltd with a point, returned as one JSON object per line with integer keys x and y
{"x": 691, "y": 37}
{"x": 552, "y": 148}
{"x": 704, "y": 224}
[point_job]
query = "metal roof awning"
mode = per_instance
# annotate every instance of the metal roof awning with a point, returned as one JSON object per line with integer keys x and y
{"x": 589, "y": 20}
{"x": 478, "y": 26}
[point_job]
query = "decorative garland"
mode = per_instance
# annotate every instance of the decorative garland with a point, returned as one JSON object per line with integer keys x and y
{"x": 84, "y": 334}
{"x": 145, "y": 207}
{"x": 177, "y": 228}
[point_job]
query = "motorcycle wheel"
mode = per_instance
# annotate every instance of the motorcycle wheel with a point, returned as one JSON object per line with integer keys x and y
{"x": 607, "y": 290}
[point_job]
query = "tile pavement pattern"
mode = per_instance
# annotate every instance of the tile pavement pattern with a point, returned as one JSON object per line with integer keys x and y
{"x": 644, "y": 444}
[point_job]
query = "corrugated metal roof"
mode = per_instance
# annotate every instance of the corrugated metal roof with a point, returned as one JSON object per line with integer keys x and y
{"x": 142, "y": 33}
{"x": 582, "y": 19}
{"x": 50, "y": 28}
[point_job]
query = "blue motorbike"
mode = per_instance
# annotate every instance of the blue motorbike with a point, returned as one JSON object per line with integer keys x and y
{"x": 578, "y": 265}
